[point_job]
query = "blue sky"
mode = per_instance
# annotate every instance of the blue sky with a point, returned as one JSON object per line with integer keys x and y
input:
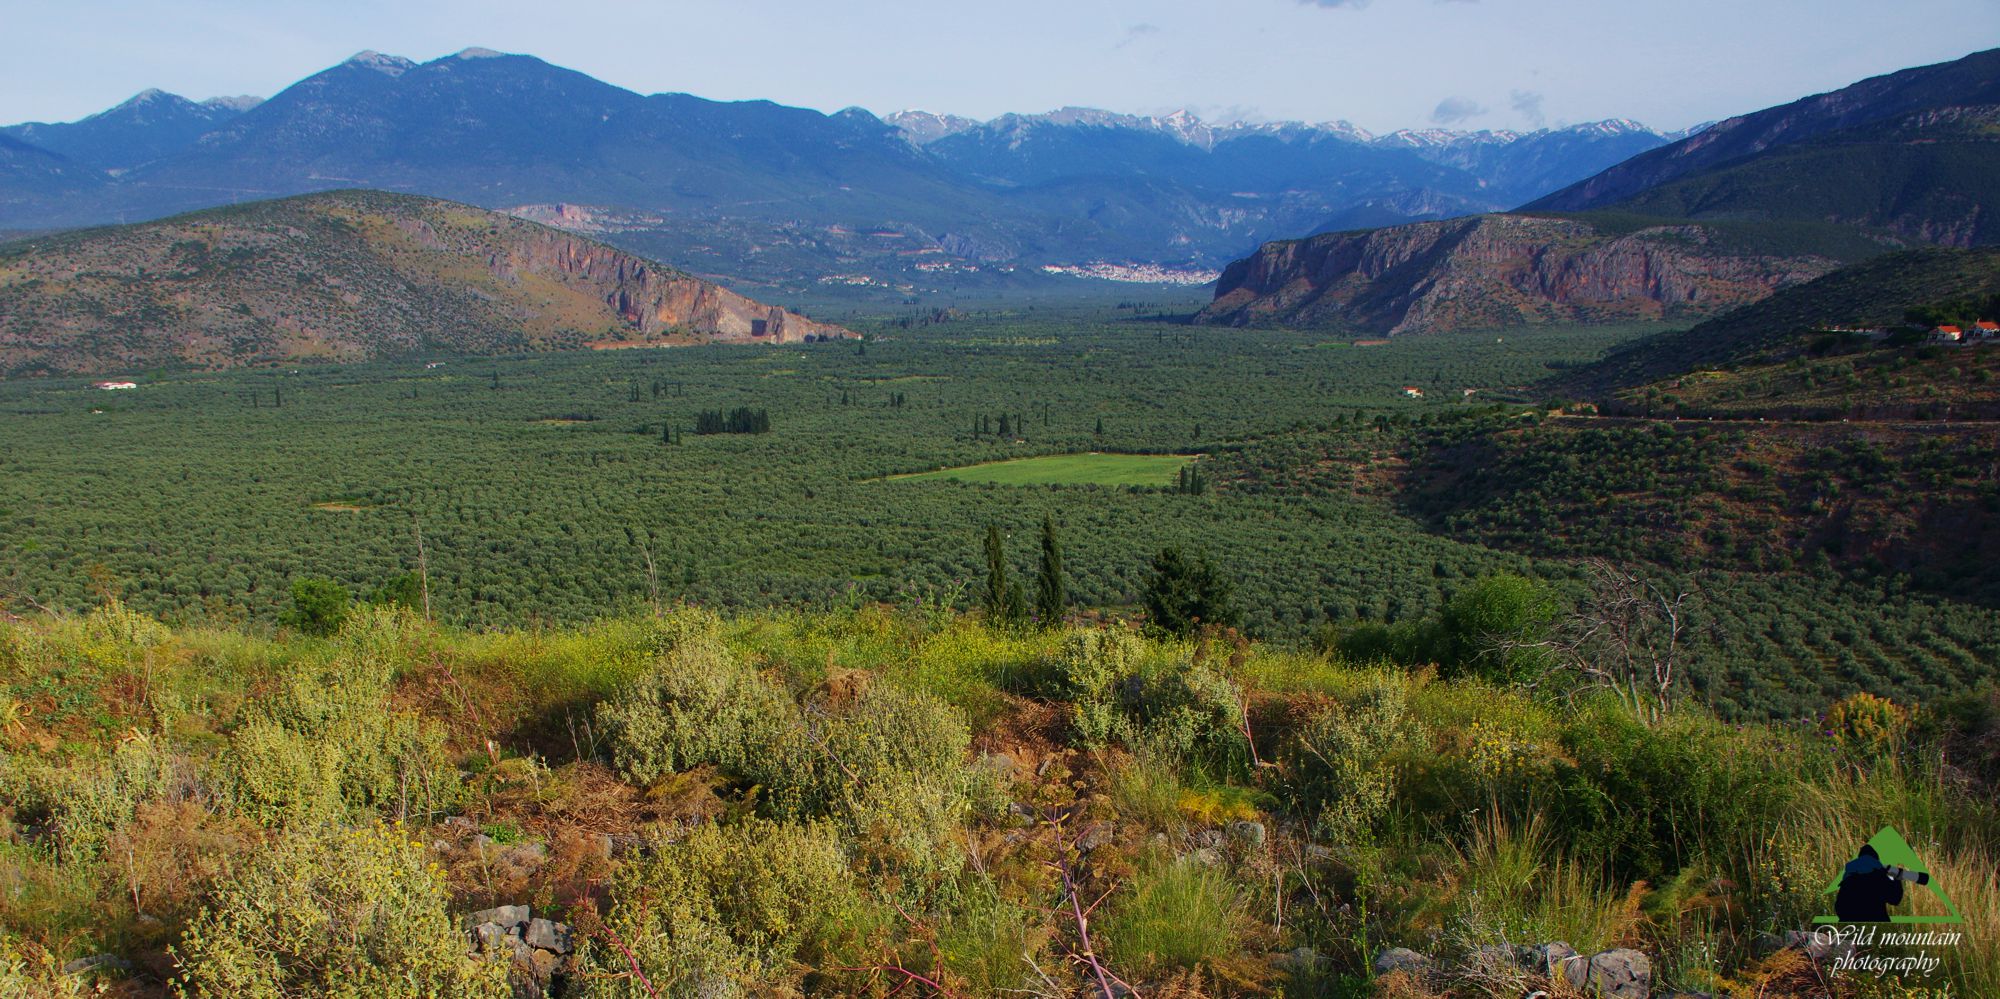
{"x": 1383, "y": 64}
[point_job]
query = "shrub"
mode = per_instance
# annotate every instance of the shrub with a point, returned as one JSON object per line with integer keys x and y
{"x": 328, "y": 744}
{"x": 734, "y": 904}
{"x": 1488, "y": 629}
{"x": 344, "y": 914}
{"x": 1180, "y": 710}
{"x": 895, "y": 766}
{"x": 84, "y": 801}
{"x": 1649, "y": 799}
{"x": 1868, "y": 726}
{"x": 888, "y": 763}
{"x": 319, "y": 606}
{"x": 700, "y": 705}
{"x": 1340, "y": 760}
{"x": 1085, "y": 670}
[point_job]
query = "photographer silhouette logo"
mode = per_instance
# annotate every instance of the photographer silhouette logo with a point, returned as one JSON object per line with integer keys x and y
{"x": 1877, "y": 878}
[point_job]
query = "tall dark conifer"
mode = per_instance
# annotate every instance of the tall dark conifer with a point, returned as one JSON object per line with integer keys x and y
{"x": 1051, "y": 598}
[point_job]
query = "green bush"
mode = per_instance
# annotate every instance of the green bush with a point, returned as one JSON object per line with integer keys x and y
{"x": 1180, "y": 709}
{"x": 319, "y": 606}
{"x": 889, "y": 763}
{"x": 328, "y": 745}
{"x": 1649, "y": 799}
{"x": 1489, "y": 629}
{"x": 896, "y": 766}
{"x": 1340, "y": 761}
{"x": 84, "y": 801}
{"x": 733, "y": 906}
{"x": 341, "y": 914}
{"x": 700, "y": 705}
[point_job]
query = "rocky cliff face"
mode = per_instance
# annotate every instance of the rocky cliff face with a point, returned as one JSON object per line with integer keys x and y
{"x": 349, "y": 276}
{"x": 655, "y": 301}
{"x": 1496, "y": 271}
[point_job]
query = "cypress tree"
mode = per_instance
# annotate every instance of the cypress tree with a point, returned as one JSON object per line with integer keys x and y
{"x": 996, "y": 575}
{"x": 1051, "y": 602}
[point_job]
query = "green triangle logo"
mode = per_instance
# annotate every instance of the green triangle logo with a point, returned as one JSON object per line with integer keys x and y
{"x": 1895, "y": 851}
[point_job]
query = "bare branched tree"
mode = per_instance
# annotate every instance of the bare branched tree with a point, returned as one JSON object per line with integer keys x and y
{"x": 1627, "y": 634}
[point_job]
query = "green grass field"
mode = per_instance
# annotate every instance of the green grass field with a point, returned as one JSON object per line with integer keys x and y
{"x": 1091, "y": 469}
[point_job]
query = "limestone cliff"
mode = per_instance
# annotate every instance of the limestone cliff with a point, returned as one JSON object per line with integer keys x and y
{"x": 1495, "y": 271}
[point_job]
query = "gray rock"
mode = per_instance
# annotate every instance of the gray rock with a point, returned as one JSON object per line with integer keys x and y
{"x": 1401, "y": 959}
{"x": 1094, "y": 835}
{"x": 1207, "y": 856}
{"x": 488, "y": 936}
{"x": 1316, "y": 853}
{"x": 97, "y": 962}
{"x": 1495, "y": 958}
{"x": 1552, "y": 959}
{"x": 1248, "y": 833}
{"x": 1001, "y": 765}
{"x": 1206, "y": 837}
{"x": 1299, "y": 961}
{"x": 508, "y": 917}
{"x": 544, "y": 934}
{"x": 1620, "y": 974}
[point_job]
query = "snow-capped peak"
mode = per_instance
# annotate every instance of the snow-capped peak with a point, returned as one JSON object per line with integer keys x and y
{"x": 239, "y": 103}
{"x": 390, "y": 65}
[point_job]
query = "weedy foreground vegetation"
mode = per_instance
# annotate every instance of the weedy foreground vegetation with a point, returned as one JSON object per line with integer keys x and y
{"x": 311, "y": 675}
{"x": 914, "y": 802}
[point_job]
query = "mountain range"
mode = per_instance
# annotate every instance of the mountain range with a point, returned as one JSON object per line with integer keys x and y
{"x": 1712, "y": 221}
{"x": 783, "y": 196}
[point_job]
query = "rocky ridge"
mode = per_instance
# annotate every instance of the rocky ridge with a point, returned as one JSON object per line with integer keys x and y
{"x": 349, "y": 276}
{"x": 1495, "y": 271}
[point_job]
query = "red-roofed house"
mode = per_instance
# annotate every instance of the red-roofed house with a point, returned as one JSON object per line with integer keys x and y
{"x": 1986, "y": 329}
{"x": 1947, "y": 334}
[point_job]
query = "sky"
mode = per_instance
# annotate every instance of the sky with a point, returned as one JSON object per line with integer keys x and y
{"x": 1382, "y": 64}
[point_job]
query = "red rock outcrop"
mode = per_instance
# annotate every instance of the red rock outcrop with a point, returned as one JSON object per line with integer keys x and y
{"x": 1494, "y": 271}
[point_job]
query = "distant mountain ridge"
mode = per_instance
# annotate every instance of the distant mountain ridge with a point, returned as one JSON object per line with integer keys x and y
{"x": 347, "y": 276}
{"x": 1973, "y": 80}
{"x": 783, "y": 196}
{"x": 150, "y": 125}
{"x": 1503, "y": 165}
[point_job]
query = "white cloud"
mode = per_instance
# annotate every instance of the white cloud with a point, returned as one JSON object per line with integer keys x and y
{"x": 1453, "y": 110}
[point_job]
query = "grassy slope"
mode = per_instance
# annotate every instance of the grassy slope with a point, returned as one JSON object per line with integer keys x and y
{"x": 1779, "y": 330}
